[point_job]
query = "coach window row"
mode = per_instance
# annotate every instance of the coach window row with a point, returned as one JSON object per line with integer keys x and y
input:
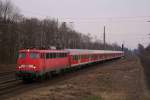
{"x": 54, "y": 55}
{"x": 75, "y": 57}
{"x": 85, "y": 56}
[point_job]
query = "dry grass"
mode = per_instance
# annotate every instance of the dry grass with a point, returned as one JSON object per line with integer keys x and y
{"x": 120, "y": 80}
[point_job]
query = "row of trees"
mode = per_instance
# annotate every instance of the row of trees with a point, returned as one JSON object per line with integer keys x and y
{"x": 144, "y": 55}
{"x": 17, "y": 31}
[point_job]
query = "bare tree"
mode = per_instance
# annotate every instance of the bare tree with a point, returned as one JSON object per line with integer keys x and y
{"x": 8, "y": 10}
{"x": 18, "y": 32}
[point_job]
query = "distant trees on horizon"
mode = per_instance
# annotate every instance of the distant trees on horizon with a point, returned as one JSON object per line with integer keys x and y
{"x": 17, "y": 31}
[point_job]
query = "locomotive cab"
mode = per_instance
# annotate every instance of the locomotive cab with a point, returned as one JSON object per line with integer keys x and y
{"x": 28, "y": 64}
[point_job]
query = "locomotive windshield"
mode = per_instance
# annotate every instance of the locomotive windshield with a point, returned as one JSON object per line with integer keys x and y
{"x": 22, "y": 55}
{"x": 34, "y": 55}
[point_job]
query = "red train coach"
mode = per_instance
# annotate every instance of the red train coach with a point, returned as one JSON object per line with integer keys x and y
{"x": 33, "y": 64}
{"x": 81, "y": 57}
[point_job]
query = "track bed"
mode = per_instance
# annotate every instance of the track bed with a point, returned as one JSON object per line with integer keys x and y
{"x": 114, "y": 80}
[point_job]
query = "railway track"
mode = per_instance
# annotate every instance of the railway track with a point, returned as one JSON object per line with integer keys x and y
{"x": 7, "y": 77}
{"x": 6, "y": 73}
{"x": 7, "y": 81}
{"x": 10, "y": 88}
{"x": 7, "y": 90}
{"x": 7, "y": 85}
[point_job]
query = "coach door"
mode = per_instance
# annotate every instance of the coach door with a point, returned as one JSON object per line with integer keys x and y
{"x": 43, "y": 56}
{"x": 79, "y": 59}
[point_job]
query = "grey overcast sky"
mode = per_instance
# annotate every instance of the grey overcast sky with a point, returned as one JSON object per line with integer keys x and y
{"x": 125, "y": 20}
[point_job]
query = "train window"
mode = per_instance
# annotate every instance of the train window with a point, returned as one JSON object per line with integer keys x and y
{"x": 62, "y": 55}
{"x": 22, "y": 55}
{"x": 75, "y": 57}
{"x": 42, "y": 55}
{"x": 82, "y": 56}
{"x": 87, "y": 56}
{"x": 79, "y": 57}
{"x": 53, "y": 55}
{"x": 50, "y": 55}
{"x": 34, "y": 55}
{"x": 57, "y": 55}
{"x": 65, "y": 54}
{"x": 47, "y": 55}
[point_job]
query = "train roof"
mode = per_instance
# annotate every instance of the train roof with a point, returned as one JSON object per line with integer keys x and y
{"x": 42, "y": 51}
{"x": 86, "y": 51}
{"x": 72, "y": 51}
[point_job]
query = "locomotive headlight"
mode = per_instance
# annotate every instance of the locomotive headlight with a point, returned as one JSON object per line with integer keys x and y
{"x": 21, "y": 66}
{"x": 30, "y": 66}
{"x": 34, "y": 67}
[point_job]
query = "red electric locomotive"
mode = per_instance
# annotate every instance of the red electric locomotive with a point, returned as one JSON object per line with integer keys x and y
{"x": 36, "y": 64}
